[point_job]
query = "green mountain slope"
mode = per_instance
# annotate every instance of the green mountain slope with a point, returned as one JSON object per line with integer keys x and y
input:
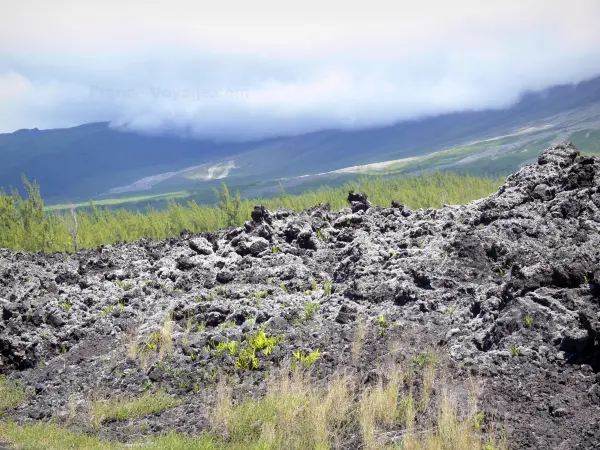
{"x": 88, "y": 161}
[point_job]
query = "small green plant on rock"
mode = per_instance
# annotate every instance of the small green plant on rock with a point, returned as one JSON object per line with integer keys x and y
{"x": 313, "y": 284}
{"x": 586, "y": 278}
{"x": 227, "y": 325}
{"x": 160, "y": 341}
{"x": 188, "y": 330}
{"x": 310, "y": 309}
{"x": 123, "y": 285}
{"x": 260, "y": 341}
{"x": 247, "y": 360}
{"x": 514, "y": 350}
{"x": 451, "y": 311}
{"x": 327, "y": 286}
{"x": 478, "y": 420}
{"x": 153, "y": 341}
{"x": 305, "y": 359}
{"x": 528, "y": 321}
{"x": 231, "y": 347}
{"x": 259, "y": 295}
{"x": 426, "y": 359}
{"x": 382, "y": 323}
{"x": 246, "y": 352}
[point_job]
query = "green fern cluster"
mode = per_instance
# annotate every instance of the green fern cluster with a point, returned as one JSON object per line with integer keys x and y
{"x": 305, "y": 359}
{"x": 247, "y": 352}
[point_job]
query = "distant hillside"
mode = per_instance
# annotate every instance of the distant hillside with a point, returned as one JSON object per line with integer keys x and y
{"x": 86, "y": 161}
{"x": 90, "y": 159}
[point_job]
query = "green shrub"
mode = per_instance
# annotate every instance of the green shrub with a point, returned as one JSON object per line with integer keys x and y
{"x": 25, "y": 225}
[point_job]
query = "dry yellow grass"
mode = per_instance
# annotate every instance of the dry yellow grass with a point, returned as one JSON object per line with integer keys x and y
{"x": 379, "y": 405}
{"x": 222, "y": 410}
{"x": 451, "y": 431}
{"x": 166, "y": 338}
{"x": 407, "y": 409}
{"x": 126, "y": 408}
{"x": 294, "y": 414}
{"x": 360, "y": 336}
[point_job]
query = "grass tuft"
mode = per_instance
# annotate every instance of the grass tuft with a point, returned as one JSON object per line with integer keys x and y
{"x": 12, "y": 394}
{"x": 126, "y": 408}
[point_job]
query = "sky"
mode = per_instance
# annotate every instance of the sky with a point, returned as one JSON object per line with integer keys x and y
{"x": 238, "y": 70}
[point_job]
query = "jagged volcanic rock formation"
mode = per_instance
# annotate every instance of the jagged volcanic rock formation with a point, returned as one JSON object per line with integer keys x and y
{"x": 507, "y": 287}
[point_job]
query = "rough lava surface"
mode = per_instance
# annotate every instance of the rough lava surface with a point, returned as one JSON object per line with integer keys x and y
{"x": 505, "y": 288}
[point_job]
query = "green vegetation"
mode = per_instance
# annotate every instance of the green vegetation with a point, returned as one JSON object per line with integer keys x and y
{"x": 12, "y": 394}
{"x": 305, "y": 359}
{"x": 296, "y": 413}
{"x": 528, "y": 321}
{"x": 246, "y": 352}
{"x": 310, "y": 309}
{"x": 514, "y": 350}
{"x": 382, "y": 323}
{"x": 124, "y": 408}
{"x": 424, "y": 360}
{"x": 587, "y": 141}
{"x": 327, "y": 286}
{"x": 258, "y": 296}
{"x": 222, "y": 348}
{"x": 25, "y": 225}
{"x": 160, "y": 341}
{"x": 130, "y": 200}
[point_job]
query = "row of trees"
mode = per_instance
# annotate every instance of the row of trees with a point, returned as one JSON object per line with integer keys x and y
{"x": 25, "y": 225}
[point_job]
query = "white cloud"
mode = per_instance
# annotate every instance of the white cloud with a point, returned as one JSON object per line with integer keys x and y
{"x": 248, "y": 69}
{"x": 12, "y": 85}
